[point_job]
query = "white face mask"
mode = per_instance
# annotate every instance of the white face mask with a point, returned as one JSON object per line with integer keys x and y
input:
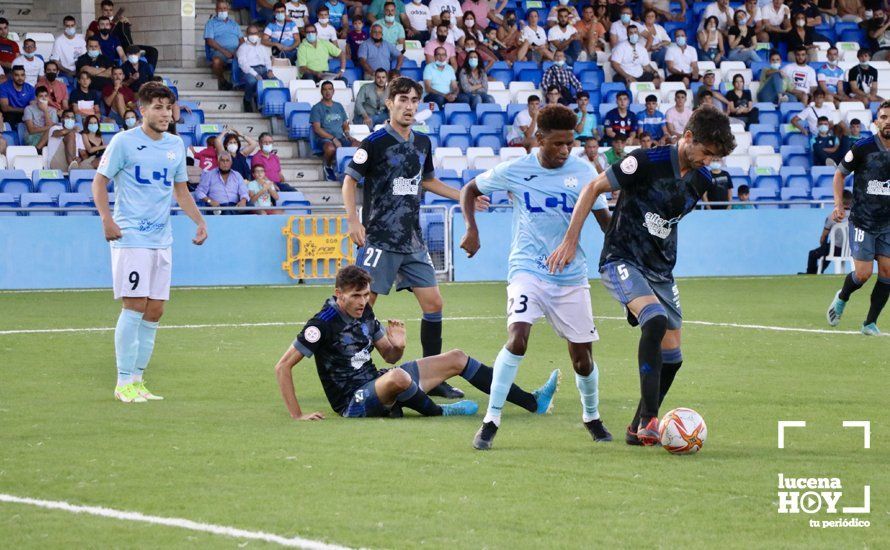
{"x": 232, "y": 148}
{"x": 470, "y": 23}
{"x": 223, "y": 15}
{"x": 715, "y": 166}
{"x": 823, "y": 128}
{"x": 70, "y": 31}
{"x": 68, "y": 123}
{"x": 633, "y": 38}
{"x": 801, "y": 23}
{"x": 133, "y": 59}
{"x": 253, "y": 39}
{"x": 324, "y": 20}
{"x": 776, "y": 65}
{"x": 267, "y": 148}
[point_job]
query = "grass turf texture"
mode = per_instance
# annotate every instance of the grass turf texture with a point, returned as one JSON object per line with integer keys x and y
{"x": 221, "y": 449}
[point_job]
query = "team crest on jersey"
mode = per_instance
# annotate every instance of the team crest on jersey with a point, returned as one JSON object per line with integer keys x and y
{"x": 849, "y": 156}
{"x": 629, "y": 165}
{"x": 312, "y": 334}
{"x": 571, "y": 182}
{"x": 360, "y": 157}
{"x": 171, "y": 155}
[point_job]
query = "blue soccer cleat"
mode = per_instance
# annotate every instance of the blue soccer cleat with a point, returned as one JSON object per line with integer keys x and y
{"x": 836, "y": 310}
{"x": 544, "y": 394}
{"x": 870, "y": 329}
{"x": 461, "y": 408}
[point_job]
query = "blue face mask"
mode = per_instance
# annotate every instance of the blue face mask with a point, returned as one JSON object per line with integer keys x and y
{"x": 625, "y": 18}
{"x": 473, "y": 62}
{"x": 68, "y": 123}
{"x": 440, "y": 64}
{"x": 93, "y": 128}
{"x": 311, "y": 37}
{"x": 223, "y": 15}
{"x": 389, "y": 18}
{"x": 823, "y": 128}
{"x": 633, "y": 38}
{"x": 93, "y": 53}
{"x": 716, "y": 166}
{"x": 279, "y": 17}
{"x": 681, "y": 41}
{"x": 130, "y": 122}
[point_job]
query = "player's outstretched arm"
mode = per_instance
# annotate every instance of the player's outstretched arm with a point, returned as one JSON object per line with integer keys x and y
{"x": 100, "y": 198}
{"x": 838, "y": 185}
{"x": 187, "y": 203}
{"x": 468, "y": 197}
{"x": 565, "y": 252}
{"x": 356, "y": 229}
{"x": 392, "y": 346}
{"x": 284, "y": 374}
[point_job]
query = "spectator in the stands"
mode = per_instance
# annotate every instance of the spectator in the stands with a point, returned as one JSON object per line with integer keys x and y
{"x": 491, "y": 44}
{"x": 206, "y": 158}
{"x": 828, "y": 10}
{"x": 721, "y": 187}
{"x": 525, "y": 125}
{"x": 753, "y": 17}
{"x": 825, "y": 144}
{"x": 136, "y": 71}
{"x": 58, "y": 91}
{"x": 355, "y": 38}
{"x": 564, "y": 38}
{"x": 315, "y": 53}
{"x": 710, "y": 41}
{"x": 32, "y": 62}
{"x": 878, "y": 28}
{"x": 95, "y": 64}
{"x": 280, "y": 35}
{"x": 420, "y": 21}
{"x": 601, "y": 14}
{"x": 377, "y": 53}
{"x": 298, "y": 12}
{"x": 65, "y": 146}
{"x": 709, "y": 84}
{"x": 267, "y": 156}
{"x": 262, "y": 191}
{"x": 744, "y": 196}
{"x": 854, "y": 134}
{"x": 222, "y": 36}
{"x": 801, "y": 36}
{"x": 265, "y": 11}
{"x": 809, "y": 10}
{"x": 509, "y": 36}
{"x": 440, "y": 40}
{"x": 15, "y": 96}
{"x": 863, "y": 79}
{"x": 108, "y": 42}
{"x": 440, "y": 81}
{"x": 486, "y": 56}
{"x": 651, "y": 121}
{"x": 591, "y": 33}
{"x": 337, "y": 11}
{"x": 254, "y": 62}
{"x": 720, "y": 10}
{"x": 831, "y": 227}
{"x": 586, "y": 128}
{"x": 370, "y": 102}
{"x": 118, "y": 97}
{"x": 661, "y": 7}
{"x": 330, "y": 123}
{"x": 377, "y": 9}
{"x": 657, "y": 39}
{"x": 553, "y": 14}
{"x": 130, "y": 119}
{"x": 92, "y": 143}
{"x": 742, "y": 40}
{"x": 645, "y": 141}
{"x": 455, "y": 33}
{"x": 741, "y": 104}
{"x": 9, "y": 49}
{"x": 772, "y": 81}
{"x": 807, "y": 120}
{"x": 852, "y": 11}
{"x": 631, "y": 62}
{"x": 393, "y": 31}
{"x": 618, "y": 31}
{"x": 617, "y": 152}
{"x": 676, "y": 118}
{"x": 486, "y": 11}
{"x": 229, "y": 140}
{"x": 68, "y": 46}
{"x": 681, "y": 60}
{"x": 473, "y": 83}
{"x": 776, "y": 22}
{"x": 562, "y": 77}
{"x": 592, "y": 154}
{"x": 534, "y": 46}
{"x": 222, "y": 186}
{"x": 831, "y": 79}
{"x": 323, "y": 26}
{"x": 84, "y": 100}
{"x": 620, "y": 120}
{"x": 39, "y": 117}
{"x": 801, "y": 75}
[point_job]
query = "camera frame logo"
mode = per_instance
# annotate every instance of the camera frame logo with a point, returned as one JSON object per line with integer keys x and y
{"x": 822, "y": 495}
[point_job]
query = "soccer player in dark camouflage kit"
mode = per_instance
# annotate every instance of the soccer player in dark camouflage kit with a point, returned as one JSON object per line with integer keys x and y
{"x": 397, "y": 166}
{"x": 658, "y": 187}
{"x": 869, "y": 227}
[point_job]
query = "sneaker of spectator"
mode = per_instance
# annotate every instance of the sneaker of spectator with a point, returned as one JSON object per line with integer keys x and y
{"x": 9, "y": 49}
{"x": 84, "y": 100}
{"x": 618, "y": 30}
{"x": 681, "y": 60}
{"x": 564, "y": 38}
{"x": 676, "y": 118}
{"x": 440, "y": 80}
{"x": 280, "y": 35}
{"x": 32, "y": 62}
{"x": 94, "y": 63}
{"x": 58, "y": 91}
{"x": 314, "y": 54}
{"x": 65, "y": 145}
{"x": 118, "y": 97}
{"x": 229, "y": 140}
{"x": 525, "y": 126}
{"x": 355, "y": 38}
{"x": 370, "y": 102}
{"x": 39, "y": 117}
{"x": 15, "y": 96}
{"x": 267, "y": 156}
{"x": 562, "y": 78}
{"x": 533, "y": 41}
{"x": 331, "y": 127}
{"x": 92, "y": 143}
{"x": 420, "y": 21}
{"x": 254, "y": 60}
{"x": 631, "y": 61}
{"x": 651, "y": 122}
{"x": 620, "y": 120}
{"x": 108, "y": 42}
{"x": 222, "y": 186}
{"x": 393, "y": 31}
{"x": 323, "y": 26}
{"x": 440, "y": 40}
{"x": 473, "y": 82}
{"x": 68, "y": 47}
{"x": 262, "y": 191}
{"x": 222, "y": 36}
{"x": 378, "y": 53}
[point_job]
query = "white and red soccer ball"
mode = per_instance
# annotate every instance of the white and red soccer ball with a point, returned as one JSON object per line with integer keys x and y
{"x": 682, "y": 431}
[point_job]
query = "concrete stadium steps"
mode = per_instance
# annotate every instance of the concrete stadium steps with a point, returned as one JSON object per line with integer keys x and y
{"x": 191, "y": 80}
{"x": 216, "y": 102}
{"x": 322, "y": 193}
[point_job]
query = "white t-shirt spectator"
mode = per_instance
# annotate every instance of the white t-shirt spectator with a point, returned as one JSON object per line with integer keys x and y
{"x": 523, "y": 119}
{"x": 418, "y": 16}
{"x": 33, "y": 68}
{"x": 536, "y": 36}
{"x": 714, "y": 9}
{"x": 556, "y": 34}
{"x": 661, "y": 35}
{"x": 328, "y": 32}
{"x": 811, "y": 115}
{"x": 803, "y": 76}
{"x": 455, "y": 35}
{"x": 632, "y": 63}
{"x": 683, "y": 58}
{"x": 67, "y": 50}
{"x": 297, "y": 13}
{"x": 53, "y": 144}
{"x": 773, "y": 16}
{"x": 752, "y": 17}
{"x": 436, "y": 7}
{"x": 619, "y": 31}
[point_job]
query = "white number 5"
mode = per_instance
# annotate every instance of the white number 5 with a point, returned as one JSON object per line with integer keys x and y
{"x": 622, "y": 272}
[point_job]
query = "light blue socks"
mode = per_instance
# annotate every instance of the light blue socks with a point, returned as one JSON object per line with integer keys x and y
{"x": 505, "y": 367}
{"x": 126, "y": 345}
{"x": 588, "y": 387}
{"x": 147, "y": 332}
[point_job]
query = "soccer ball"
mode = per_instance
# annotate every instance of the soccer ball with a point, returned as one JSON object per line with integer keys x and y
{"x": 682, "y": 431}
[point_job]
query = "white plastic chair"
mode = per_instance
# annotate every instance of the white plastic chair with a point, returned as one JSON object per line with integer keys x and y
{"x": 773, "y": 161}
{"x": 14, "y": 151}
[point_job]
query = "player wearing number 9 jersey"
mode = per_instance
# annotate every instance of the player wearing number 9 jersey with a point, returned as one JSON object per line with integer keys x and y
{"x": 147, "y": 166}
{"x": 545, "y": 187}
{"x": 658, "y": 187}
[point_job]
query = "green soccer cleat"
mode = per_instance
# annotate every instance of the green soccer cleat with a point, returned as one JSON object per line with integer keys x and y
{"x": 461, "y": 408}
{"x": 128, "y": 394}
{"x": 144, "y": 393}
{"x": 870, "y": 329}
{"x": 544, "y": 394}
{"x": 836, "y": 310}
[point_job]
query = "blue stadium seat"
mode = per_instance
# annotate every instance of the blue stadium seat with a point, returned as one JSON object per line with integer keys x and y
{"x": 795, "y": 193}
{"x": 8, "y": 200}
{"x": 767, "y": 194}
{"x": 823, "y": 176}
{"x": 796, "y": 176}
{"x": 435, "y": 236}
{"x": 191, "y": 119}
{"x": 519, "y": 66}
{"x": 605, "y": 108}
{"x": 294, "y": 198}
{"x": 81, "y": 181}
{"x": 758, "y": 66}
{"x": 490, "y": 114}
{"x": 487, "y": 136}
{"x": 11, "y": 137}
{"x": 274, "y": 100}
{"x": 443, "y": 173}
{"x": 296, "y": 118}
{"x": 795, "y": 155}
{"x": 789, "y": 109}
{"x": 51, "y": 182}
{"x": 502, "y": 75}
{"x": 344, "y": 155}
{"x": 513, "y": 109}
{"x": 458, "y": 140}
{"x": 767, "y": 138}
{"x": 530, "y": 75}
{"x": 459, "y": 114}
{"x": 354, "y": 73}
{"x": 32, "y": 200}
{"x": 415, "y": 74}
{"x": 795, "y": 138}
{"x": 581, "y": 66}
{"x": 609, "y": 91}
{"x": 468, "y": 175}
{"x": 69, "y": 200}
{"x": 822, "y": 193}
{"x": 449, "y": 129}
{"x": 15, "y": 182}
{"x": 204, "y": 131}
{"x": 764, "y": 178}
{"x": 828, "y": 32}
{"x": 773, "y": 118}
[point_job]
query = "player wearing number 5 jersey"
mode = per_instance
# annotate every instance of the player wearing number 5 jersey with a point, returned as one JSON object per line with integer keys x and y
{"x": 869, "y": 237}
{"x": 658, "y": 187}
{"x": 147, "y": 166}
{"x": 544, "y": 187}
{"x": 396, "y": 165}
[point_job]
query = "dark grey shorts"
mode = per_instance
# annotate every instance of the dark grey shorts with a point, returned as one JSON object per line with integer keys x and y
{"x": 626, "y": 283}
{"x": 405, "y": 270}
{"x": 365, "y": 402}
{"x": 866, "y": 246}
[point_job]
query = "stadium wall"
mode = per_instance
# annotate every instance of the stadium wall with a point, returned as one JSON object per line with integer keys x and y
{"x": 69, "y": 252}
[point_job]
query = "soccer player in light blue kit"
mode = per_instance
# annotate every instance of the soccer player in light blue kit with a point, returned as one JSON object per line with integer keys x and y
{"x": 544, "y": 187}
{"x": 148, "y": 168}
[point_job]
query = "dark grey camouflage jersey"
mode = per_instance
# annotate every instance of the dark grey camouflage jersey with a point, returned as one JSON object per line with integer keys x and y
{"x": 393, "y": 169}
{"x": 654, "y": 197}
{"x": 869, "y": 162}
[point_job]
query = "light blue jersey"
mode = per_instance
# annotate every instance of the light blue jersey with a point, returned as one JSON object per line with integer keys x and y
{"x": 543, "y": 201}
{"x": 143, "y": 171}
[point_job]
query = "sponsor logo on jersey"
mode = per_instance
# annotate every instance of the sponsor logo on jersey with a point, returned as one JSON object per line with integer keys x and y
{"x": 878, "y": 187}
{"x": 147, "y": 226}
{"x": 406, "y": 186}
{"x": 360, "y": 358}
{"x": 658, "y": 226}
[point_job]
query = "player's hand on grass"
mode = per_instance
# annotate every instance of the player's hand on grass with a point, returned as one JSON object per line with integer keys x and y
{"x": 317, "y": 415}
{"x": 561, "y": 257}
{"x": 839, "y": 213}
{"x": 483, "y": 202}
{"x": 357, "y": 233}
{"x": 470, "y": 243}
{"x": 112, "y": 231}
{"x": 200, "y": 235}
{"x": 395, "y": 329}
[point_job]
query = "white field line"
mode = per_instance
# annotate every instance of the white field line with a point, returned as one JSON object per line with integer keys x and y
{"x": 471, "y": 318}
{"x": 222, "y": 530}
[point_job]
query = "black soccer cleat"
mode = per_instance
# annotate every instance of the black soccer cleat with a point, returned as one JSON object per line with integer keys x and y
{"x": 598, "y": 431}
{"x": 396, "y": 411}
{"x": 630, "y": 436}
{"x": 445, "y": 390}
{"x": 631, "y": 318}
{"x": 485, "y": 436}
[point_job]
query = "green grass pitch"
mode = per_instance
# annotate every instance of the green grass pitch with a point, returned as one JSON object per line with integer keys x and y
{"x": 221, "y": 449}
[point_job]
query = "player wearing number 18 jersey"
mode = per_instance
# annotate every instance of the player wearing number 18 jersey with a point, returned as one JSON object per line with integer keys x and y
{"x": 658, "y": 187}
{"x": 147, "y": 166}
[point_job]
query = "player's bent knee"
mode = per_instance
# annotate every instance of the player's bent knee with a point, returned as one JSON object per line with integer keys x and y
{"x": 653, "y": 321}
{"x": 458, "y": 357}
{"x": 400, "y": 379}
{"x": 671, "y": 340}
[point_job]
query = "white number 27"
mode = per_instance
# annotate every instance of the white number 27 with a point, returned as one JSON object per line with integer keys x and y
{"x": 372, "y": 256}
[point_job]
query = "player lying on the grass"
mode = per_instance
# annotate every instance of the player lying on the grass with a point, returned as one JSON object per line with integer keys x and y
{"x": 544, "y": 186}
{"x": 869, "y": 233}
{"x": 341, "y": 337}
{"x": 148, "y": 167}
{"x": 658, "y": 187}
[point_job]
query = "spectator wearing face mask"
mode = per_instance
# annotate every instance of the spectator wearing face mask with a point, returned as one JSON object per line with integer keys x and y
{"x": 267, "y": 157}
{"x": 32, "y": 62}
{"x": 631, "y": 61}
{"x": 721, "y": 190}
{"x": 58, "y": 91}
{"x": 65, "y": 144}
{"x": 681, "y": 61}
{"x": 254, "y": 61}
{"x": 281, "y": 36}
{"x": 229, "y": 141}
{"x": 313, "y": 56}
{"x": 136, "y": 71}
{"x": 130, "y": 119}
{"x": 39, "y": 117}
{"x": 473, "y": 83}
{"x": 222, "y": 186}
{"x": 618, "y": 30}
{"x": 440, "y": 40}
{"x": 95, "y": 64}
{"x": 825, "y": 145}
{"x": 562, "y": 77}
{"x": 92, "y": 144}
{"x": 84, "y": 99}
{"x": 68, "y": 47}
{"x": 108, "y": 42}
{"x": 377, "y": 53}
